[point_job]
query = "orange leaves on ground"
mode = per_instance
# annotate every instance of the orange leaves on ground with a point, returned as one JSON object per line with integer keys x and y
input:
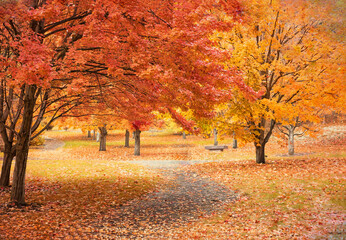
{"x": 65, "y": 194}
{"x": 284, "y": 199}
{"x": 75, "y": 189}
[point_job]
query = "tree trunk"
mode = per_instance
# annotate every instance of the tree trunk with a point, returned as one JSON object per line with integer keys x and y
{"x": 94, "y": 135}
{"x": 235, "y": 143}
{"x": 291, "y": 141}
{"x": 137, "y": 142}
{"x": 89, "y": 134}
{"x": 215, "y": 137}
{"x": 6, "y": 167}
{"x": 184, "y": 135}
{"x": 22, "y": 147}
{"x": 127, "y": 138}
{"x": 260, "y": 156}
{"x": 98, "y": 137}
{"x": 263, "y": 138}
{"x": 103, "y": 134}
{"x": 260, "y": 143}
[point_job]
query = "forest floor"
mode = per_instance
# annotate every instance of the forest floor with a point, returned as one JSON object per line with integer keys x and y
{"x": 178, "y": 190}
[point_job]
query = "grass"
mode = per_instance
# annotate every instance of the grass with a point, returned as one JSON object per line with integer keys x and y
{"x": 284, "y": 199}
{"x": 66, "y": 193}
{"x": 290, "y": 197}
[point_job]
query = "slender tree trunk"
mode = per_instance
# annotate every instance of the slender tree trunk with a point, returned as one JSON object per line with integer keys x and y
{"x": 98, "y": 137}
{"x": 6, "y": 167}
{"x": 215, "y": 137}
{"x": 184, "y": 135}
{"x": 137, "y": 142}
{"x": 260, "y": 154}
{"x": 235, "y": 142}
{"x": 89, "y": 134}
{"x": 103, "y": 134}
{"x": 94, "y": 135}
{"x": 127, "y": 138}
{"x": 22, "y": 147}
{"x": 291, "y": 141}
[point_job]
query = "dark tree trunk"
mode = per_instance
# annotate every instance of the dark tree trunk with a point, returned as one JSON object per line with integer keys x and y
{"x": 127, "y": 138}
{"x": 7, "y": 136}
{"x": 260, "y": 143}
{"x": 103, "y": 134}
{"x": 89, "y": 134}
{"x": 6, "y": 167}
{"x": 22, "y": 147}
{"x": 263, "y": 137}
{"x": 260, "y": 155}
{"x": 215, "y": 137}
{"x": 291, "y": 141}
{"x": 137, "y": 142}
{"x": 184, "y": 135}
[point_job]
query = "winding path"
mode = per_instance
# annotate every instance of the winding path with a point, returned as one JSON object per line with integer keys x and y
{"x": 185, "y": 200}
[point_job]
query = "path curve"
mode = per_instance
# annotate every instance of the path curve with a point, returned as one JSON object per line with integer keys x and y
{"x": 186, "y": 200}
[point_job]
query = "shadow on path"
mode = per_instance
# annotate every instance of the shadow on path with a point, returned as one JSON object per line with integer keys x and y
{"x": 185, "y": 200}
{"x": 156, "y": 215}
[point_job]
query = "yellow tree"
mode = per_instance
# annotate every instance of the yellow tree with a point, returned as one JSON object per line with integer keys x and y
{"x": 284, "y": 53}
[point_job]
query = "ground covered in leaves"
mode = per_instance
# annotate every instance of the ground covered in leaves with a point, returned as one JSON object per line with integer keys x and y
{"x": 77, "y": 192}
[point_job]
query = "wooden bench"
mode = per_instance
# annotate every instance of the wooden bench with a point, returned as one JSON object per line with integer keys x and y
{"x": 216, "y": 148}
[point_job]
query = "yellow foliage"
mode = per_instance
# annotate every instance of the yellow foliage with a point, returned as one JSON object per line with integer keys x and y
{"x": 282, "y": 49}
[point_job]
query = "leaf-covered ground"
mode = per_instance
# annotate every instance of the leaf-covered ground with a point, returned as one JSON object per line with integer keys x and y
{"x": 65, "y": 193}
{"x": 284, "y": 199}
{"x": 76, "y": 192}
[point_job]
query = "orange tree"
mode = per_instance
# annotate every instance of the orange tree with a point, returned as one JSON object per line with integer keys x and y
{"x": 284, "y": 53}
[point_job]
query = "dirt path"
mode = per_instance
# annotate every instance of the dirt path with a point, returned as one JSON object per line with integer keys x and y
{"x": 52, "y": 144}
{"x": 188, "y": 198}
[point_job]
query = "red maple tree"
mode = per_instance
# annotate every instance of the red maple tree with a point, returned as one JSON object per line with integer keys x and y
{"x": 58, "y": 55}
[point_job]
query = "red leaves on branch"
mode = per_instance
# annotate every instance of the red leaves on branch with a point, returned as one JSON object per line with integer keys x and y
{"x": 158, "y": 53}
{"x": 190, "y": 126}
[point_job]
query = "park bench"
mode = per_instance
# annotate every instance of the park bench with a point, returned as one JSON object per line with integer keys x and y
{"x": 216, "y": 148}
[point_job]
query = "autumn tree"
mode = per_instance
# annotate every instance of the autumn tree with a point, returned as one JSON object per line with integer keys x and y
{"x": 34, "y": 82}
{"x": 297, "y": 128}
{"x": 283, "y": 53}
{"x": 30, "y": 90}
{"x": 57, "y": 55}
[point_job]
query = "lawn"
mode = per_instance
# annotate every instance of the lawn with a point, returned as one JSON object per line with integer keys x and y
{"x": 66, "y": 193}
{"x": 284, "y": 199}
{"x": 73, "y": 189}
